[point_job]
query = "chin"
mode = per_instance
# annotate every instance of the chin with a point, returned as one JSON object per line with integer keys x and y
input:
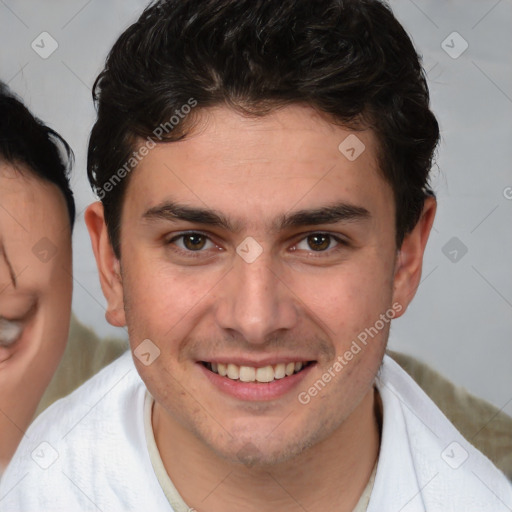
{"x": 262, "y": 450}
{"x": 251, "y": 457}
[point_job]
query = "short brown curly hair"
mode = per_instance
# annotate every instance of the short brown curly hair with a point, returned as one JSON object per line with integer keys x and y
{"x": 350, "y": 59}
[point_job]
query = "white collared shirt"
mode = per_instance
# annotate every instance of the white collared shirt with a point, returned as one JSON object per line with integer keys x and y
{"x": 88, "y": 451}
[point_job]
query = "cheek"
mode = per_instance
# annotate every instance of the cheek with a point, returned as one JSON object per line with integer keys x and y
{"x": 49, "y": 333}
{"x": 45, "y": 331}
{"x": 56, "y": 299}
{"x": 162, "y": 302}
{"x": 349, "y": 298}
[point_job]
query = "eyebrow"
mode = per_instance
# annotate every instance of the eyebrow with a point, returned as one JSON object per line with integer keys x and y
{"x": 340, "y": 212}
{"x": 172, "y": 211}
{"x": 329, "y": 214}
{"x": 11, "y": 270}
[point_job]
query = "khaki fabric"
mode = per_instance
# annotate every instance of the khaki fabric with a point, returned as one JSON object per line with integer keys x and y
{"x": 85, "y": 355}
{"x": 482, "y": 424}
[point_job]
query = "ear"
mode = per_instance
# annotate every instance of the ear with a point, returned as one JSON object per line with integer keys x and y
{"x": 108, "y": 264}
{"x": 409, "y": 260}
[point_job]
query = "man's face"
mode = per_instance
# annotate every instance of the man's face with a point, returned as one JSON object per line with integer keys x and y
{"x": 35, "y": 296}
{"x": 257, "y": 243}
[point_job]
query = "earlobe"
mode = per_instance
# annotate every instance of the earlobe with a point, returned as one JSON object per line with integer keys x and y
{"x": 108, "y": 265}
{"x": 409, "y": 259}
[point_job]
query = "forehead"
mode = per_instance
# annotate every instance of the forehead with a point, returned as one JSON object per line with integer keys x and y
{"x": 33, "y": 221}
{"x": 262, "y": 166}
{"x": 26, "y": 197}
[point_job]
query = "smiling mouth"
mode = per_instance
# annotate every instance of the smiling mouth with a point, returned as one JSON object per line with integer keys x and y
{"x": 262, "y": 375}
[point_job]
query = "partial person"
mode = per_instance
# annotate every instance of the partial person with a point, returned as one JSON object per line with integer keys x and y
{"x": 37, "y": 215}
{"x": 37, "y": 212}
{"x": 265, "y": 206}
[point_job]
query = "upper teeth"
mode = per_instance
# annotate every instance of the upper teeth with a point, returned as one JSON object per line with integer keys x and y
{"x": 252, "y": 374}
{"x": 10, "y": 331}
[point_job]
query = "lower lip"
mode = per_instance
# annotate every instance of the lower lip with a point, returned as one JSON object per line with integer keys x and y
{"x": 254, "y": 391}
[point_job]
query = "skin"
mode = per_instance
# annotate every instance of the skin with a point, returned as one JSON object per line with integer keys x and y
{"x": 35, "y": 293}
{"x": 292, "y": 301}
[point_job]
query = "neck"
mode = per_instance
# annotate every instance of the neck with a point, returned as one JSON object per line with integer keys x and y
{"x": 329, "y": 476}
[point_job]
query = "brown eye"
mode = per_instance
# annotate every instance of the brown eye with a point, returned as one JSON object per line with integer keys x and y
{"x": 319, "y": 242}
{"x": 194, "y": 241}
{"x": 192, "y": 244}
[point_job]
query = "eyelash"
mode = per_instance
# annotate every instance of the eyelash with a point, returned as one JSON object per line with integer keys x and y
{"x": 314, "y": 254}
{"x": 319, "y": 254}
{"x": 188, "y": 253}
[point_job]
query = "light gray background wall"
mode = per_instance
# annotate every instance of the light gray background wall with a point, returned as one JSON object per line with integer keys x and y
{"x": 461, "y": 319}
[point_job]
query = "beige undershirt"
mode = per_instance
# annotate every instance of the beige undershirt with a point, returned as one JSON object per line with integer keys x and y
{"x": 173, "y": 496}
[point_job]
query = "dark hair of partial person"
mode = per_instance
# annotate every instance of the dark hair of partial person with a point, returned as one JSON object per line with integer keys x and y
{"x": 25, "y": 140}
{"x": 349, "y": 59}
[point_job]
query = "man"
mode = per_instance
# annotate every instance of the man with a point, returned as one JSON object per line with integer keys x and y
{"x": 37, "y": 213}
{"x": 263, "y": 171}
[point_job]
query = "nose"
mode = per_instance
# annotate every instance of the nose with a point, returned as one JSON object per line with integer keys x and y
{"x": 255, "y": 302}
